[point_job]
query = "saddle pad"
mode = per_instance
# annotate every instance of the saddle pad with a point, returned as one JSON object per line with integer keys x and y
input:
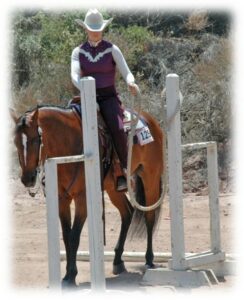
{"x": 142, "y": 131}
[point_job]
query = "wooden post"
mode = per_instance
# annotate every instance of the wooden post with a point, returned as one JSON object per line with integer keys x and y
{"x": 213, "y": 185}
{"x": 175, "y": 172}
{"x": 179, "y": 272}
{"x": 52, "y": 224}
{"x": 93, "y": 194}
{"x": 93, "y": 182}
{"x": 52, "y": 203}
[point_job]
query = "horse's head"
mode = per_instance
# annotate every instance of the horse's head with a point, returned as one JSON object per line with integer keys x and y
{"x": 27, "y": 141}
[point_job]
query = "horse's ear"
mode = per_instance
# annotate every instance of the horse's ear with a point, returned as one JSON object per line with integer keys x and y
{"x": 13, "y": 115}
{"x": 31, "y": 117}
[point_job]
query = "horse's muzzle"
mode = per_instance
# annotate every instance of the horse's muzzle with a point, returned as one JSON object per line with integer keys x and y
{"x": 29, "y": 178}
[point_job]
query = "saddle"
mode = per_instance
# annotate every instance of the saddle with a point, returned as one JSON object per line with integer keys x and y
{"x": 142, "y": 133}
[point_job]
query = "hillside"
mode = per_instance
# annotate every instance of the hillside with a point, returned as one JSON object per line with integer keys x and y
{"x": 195, "y": 44}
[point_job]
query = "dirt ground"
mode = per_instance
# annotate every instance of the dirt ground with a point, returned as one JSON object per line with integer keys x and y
{"x": 29, "y": 240}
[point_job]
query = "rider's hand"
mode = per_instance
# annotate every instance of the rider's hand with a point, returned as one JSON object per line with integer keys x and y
{"x": 133, "y": 88}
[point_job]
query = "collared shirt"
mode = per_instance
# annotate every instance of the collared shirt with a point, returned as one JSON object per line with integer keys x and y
{"x": 100, "y": 62}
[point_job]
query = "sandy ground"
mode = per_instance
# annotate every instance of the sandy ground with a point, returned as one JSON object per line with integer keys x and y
{"x": 29, "y": 241}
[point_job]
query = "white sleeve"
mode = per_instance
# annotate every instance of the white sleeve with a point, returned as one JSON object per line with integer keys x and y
{"x": 75, "y": 68}
{"x": 122, "y": 65}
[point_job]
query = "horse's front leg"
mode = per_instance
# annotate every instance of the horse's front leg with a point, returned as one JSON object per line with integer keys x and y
{"x": 74, "y": 240}
{"x": 65, "y": 220}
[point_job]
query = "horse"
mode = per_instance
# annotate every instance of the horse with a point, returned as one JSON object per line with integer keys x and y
{"x": 61, "y": 135}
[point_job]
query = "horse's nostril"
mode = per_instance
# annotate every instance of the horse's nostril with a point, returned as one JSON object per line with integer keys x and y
{"x": 33, "y": 177}
{"x": 29, "y": 179}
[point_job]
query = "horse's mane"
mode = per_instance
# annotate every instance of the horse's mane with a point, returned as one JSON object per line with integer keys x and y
{"x": 47, "y": 106}
{"x": 22, "y": 120}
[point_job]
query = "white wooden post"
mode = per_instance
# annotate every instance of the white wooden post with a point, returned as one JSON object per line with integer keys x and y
{"x": 213, "y": 186}
{"x": 52, "y": 223}
{"x": 178, "y": 272}
{"x": 93, "y": 182}
{"x": 52, "y": 203}
{"x": 175, "y": 171}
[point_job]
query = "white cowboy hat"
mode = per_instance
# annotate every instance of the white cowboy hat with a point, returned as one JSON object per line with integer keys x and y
{"x": 94, "y": 21}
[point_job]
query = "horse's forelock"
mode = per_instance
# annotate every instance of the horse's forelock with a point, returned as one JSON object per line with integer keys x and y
{"x": 24, "y": 121}
{"x": 21, "y": 123}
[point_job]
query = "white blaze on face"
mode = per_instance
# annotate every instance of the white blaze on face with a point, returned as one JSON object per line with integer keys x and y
{"x": 39, "y": 130}
{"x": 24, "y": 143}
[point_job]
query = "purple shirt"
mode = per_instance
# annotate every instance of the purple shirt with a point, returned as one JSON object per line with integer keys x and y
{"x": 98, "y": 62}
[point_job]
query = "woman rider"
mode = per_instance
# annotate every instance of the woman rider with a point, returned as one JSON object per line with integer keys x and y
{"x": 100, "y": 59}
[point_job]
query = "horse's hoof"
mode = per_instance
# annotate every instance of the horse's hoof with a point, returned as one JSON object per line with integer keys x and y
{"x": 68, "y": 284}
{"x": 150, "y": 266}
{"x": 118, "y": 269}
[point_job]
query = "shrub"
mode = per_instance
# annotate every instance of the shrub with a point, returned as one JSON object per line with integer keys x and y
{"x": 197, "y": 21}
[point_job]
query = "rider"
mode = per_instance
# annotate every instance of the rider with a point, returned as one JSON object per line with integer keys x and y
{"x": 99, "y": 58}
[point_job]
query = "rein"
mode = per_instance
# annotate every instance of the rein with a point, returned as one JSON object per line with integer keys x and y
{"x": 166, "y": 124}
{"x": 130, "y": 176}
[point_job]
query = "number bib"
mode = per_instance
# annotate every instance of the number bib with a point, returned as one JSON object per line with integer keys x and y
{"x": 144, "y": 136}
{"x": 142, "y": 131}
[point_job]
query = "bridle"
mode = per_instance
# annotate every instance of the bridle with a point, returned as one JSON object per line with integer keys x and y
{"x": 40, "y": 168}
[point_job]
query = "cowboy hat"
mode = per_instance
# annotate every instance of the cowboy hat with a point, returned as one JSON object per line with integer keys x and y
{"x": 94, "y": 21}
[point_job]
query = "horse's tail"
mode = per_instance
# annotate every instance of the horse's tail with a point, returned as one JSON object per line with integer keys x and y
{"x": 138, "y": 226}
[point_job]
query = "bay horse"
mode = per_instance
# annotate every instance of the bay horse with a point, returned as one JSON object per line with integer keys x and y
{"x": 62, "y": 136}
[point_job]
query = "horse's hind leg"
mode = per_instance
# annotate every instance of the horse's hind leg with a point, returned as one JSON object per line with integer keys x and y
{"x": 152, "y": 194}
{"x": 126, "y": 211}
{"x": 150, "y": 221}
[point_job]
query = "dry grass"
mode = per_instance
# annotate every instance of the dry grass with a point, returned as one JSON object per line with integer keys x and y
{"x": 52, "y": 86}
{"x": 216, "y": 62}
{"x": 197, "y": 21}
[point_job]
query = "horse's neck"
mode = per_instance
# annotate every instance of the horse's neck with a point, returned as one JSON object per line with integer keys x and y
{"x": 61, "y": 132}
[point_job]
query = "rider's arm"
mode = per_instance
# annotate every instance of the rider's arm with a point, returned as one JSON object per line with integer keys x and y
{"x": 75, "y": 68}
{"x": 122, "y": 65}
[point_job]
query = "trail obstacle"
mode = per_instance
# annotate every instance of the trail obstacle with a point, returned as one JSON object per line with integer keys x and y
{"x": 181, "y": 269}
{"x": 93, "y": 194}
{"x": 184, "y": 269}
{"x": 220, "y": 269}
